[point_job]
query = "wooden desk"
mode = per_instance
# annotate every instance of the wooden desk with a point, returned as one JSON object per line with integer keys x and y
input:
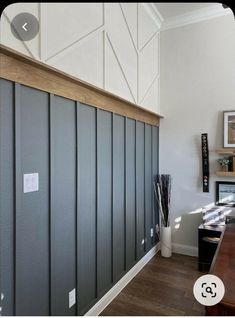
{"x": 223, "y": 266}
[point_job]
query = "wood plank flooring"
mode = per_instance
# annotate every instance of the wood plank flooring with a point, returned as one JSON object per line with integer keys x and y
{"x": 164, "y": 287}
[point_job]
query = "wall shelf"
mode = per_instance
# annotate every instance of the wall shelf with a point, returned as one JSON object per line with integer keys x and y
{"x": 226, "y": 151}
{"x": 225, "y": 173}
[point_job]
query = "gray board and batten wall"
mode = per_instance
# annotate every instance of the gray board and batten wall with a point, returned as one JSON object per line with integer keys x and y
{"x": 91, "y": 217}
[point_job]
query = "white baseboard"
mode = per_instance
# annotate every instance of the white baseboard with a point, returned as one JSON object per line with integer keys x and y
{"x": 117, "y": 288}
{"x": 184, "y": 249}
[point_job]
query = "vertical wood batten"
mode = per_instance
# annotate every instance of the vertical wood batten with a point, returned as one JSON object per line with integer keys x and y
{"x": 97, "y": 204}
{"x": 76, "y": 206}
{"x": 63, "y": 197}
{"x": 86, "y": 197}
{"x": 145, "y": 201}
{"x": 112, "y": 200}
{"x": 157, "y": 170}
{"x": 17, "y": 164}
{"x": 97, "y": 200}
{"x": 140, "y": 188}
{"x": 125, "y": 194}
{"x": 136, "y": 223}
{"x": 118, "y": 195}
{"x": 51, "y": 96}
{"x": 153, "y": 194}
{"x": 148, "y": 186}
{"x": 104, "y": 202}
{"x": 155, "y": 167}
{"x": 125, "y": 209}
{"x": 7, "y": 197}
{"x": 17, "y": 131}
{"x": 32, "y": 241}
{"x": 152, "y": 189}
{"x": 130, "y": 193}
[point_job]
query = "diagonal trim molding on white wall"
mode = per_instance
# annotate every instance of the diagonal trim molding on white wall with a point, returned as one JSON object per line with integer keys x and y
{"x": 121, "y": 68}
{"x": 195, "y": 16}
{"x": 117, "y": 288}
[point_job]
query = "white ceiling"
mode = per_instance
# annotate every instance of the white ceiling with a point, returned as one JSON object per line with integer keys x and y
{"x": 169, "y": 10}
{"x": 170, "y": 15}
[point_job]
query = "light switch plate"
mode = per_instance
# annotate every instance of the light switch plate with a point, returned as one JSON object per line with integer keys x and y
{"x": 151, "y": 232}
{"x": 31, "y": 182}
{"x": 72, "y": 298}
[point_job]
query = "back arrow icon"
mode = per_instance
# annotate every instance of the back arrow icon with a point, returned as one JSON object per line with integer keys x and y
{"x": 24, "y": 26}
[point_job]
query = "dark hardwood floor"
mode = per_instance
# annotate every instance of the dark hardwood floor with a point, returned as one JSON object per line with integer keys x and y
{"x": 164, "y": 287}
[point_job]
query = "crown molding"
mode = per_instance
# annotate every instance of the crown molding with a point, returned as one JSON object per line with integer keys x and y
{"x": 154, "y": 13}
{"x": 195, "y": 16}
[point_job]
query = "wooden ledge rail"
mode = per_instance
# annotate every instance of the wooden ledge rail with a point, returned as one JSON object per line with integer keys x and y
{"x": 22, "y": 69}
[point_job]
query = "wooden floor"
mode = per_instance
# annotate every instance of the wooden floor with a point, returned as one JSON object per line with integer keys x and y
{"x": 162, "y": 288}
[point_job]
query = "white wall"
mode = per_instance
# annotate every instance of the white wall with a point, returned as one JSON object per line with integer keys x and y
{"x": 197, "y": 84}
{"x": 114, "y": 46}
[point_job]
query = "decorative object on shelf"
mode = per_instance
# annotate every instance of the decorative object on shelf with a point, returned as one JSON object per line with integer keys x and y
{"x": 205, "y": 162}
{"x": 224, "y": 163}
{"x": 162, "y": 189}
{"x": 231, "y": 166}
{"x": 229, "y": 128}
{"x": 225, "y": 193}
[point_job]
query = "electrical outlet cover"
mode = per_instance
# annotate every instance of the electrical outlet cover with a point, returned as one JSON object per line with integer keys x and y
{"x": 31, "y": 182}
{"x": 72, "y": 298}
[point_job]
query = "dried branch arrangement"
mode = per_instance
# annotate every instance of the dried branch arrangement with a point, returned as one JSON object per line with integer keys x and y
{"x": 162, "y": 189}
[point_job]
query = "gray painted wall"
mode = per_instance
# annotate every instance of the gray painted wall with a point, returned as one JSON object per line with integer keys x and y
{"x": 90, "y": 221}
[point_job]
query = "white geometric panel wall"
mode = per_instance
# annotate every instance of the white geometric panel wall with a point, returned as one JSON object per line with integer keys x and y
{"x": 130, "y": 11}
{"x": 8, "y": 39}
{"x": 31, "y": 47}
{"x": 65, "y": 24}
{"x": 121, "y": 41}
{"x": 83, "y": 59}
{"x": 114, "y": 46}
{"x": 152, "y": 95}
{"x": 147, "y": 28}
{"x": 148, "y": 72}
{"x": 116, "y": 81}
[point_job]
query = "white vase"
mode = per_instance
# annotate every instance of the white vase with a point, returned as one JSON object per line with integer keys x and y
{"x": 166, "y": 241}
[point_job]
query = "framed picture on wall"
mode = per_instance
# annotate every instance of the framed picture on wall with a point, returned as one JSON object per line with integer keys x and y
{"x": 225, "y": 193}
{"x": 229, "y": 128}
